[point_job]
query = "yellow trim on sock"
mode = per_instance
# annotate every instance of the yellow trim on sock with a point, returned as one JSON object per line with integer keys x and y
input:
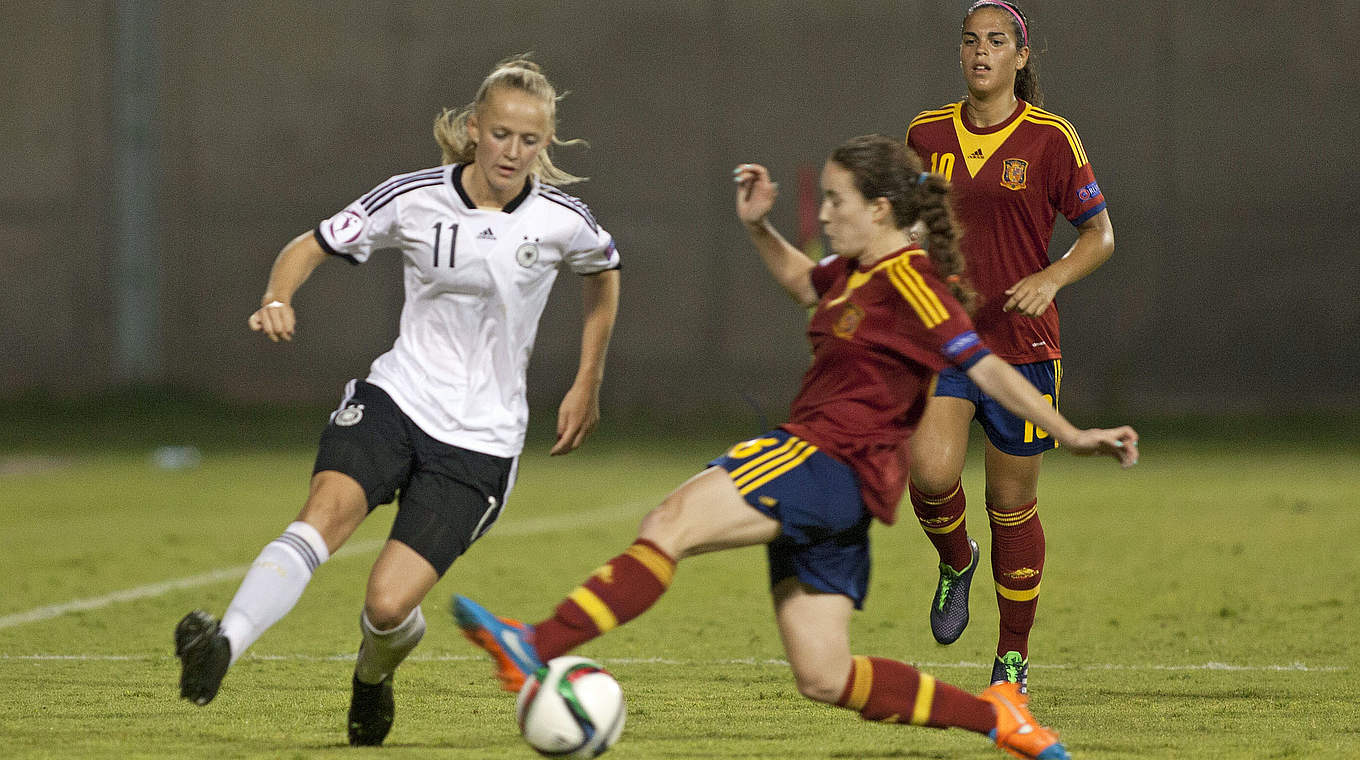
{"x": 657, "y": 564}
{"x": 936, "y": 501}
{"x": 1018, "y": 596}
{"x": 1011, "y": 518}
{"x": 864, "y": 681}
{"x": 946, "y": 529}
{"x": 925, "y": 699}
{"x": 599, "y": 612}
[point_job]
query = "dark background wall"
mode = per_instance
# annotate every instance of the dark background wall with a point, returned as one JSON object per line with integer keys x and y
{"x": 1225, "y": 143}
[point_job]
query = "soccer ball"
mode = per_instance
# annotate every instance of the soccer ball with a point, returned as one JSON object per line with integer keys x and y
{"x": 571, "y": 707}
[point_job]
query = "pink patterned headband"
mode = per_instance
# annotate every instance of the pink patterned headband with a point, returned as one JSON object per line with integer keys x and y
{"x": 1024, "y": 31}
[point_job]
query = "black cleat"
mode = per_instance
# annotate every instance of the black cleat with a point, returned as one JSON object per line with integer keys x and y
{"x": 204, "y": 655}
{"x": 371, "y": 708}
{"x": 1011, "y": 668}
{"x": 949, "y": 608}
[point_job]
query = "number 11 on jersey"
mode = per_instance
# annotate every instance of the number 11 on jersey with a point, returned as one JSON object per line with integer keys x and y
{"x": 453, "y": 242}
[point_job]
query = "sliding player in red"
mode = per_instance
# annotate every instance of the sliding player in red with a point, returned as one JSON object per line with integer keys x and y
{"x": 888, "y": 317}
{"x": 1012, "y": 168}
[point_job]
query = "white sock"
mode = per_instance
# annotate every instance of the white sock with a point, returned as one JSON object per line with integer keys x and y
{"x": 382, "y": 651}
{"x": 273, "y": 585}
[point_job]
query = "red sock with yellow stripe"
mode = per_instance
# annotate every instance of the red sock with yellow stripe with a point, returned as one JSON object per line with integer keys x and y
{"x": 894, "y": 692}
{"x": 942, "y": 518}
{"x": 1017, "y": 567}
{"x": 620, "y": 590}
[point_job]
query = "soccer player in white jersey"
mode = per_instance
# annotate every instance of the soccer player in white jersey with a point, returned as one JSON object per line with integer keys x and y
{"x": 441, "y": 417}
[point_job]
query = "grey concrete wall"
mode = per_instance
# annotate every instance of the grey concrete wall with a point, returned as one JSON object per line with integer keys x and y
{"x": 1224, "y": 142}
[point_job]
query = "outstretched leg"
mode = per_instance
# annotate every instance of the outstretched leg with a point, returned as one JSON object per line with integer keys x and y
{"x": 704, "y": 514}
{"x": 814, "y": 627}
{"x": 272, "y": 586}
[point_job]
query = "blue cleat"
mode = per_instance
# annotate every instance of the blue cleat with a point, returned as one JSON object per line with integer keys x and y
{"x": 507, "y": 641}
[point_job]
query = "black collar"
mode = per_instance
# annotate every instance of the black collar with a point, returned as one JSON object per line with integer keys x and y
{"x": 508, "y": 208}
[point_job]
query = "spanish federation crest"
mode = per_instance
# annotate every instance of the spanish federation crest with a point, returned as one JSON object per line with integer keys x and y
{"x": 848, "y": 321}
{"x": 527, "y": 254}
{"x": 1013, "y": 173}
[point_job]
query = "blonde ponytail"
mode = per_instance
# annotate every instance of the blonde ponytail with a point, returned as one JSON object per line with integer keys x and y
{"x": 518, "y": 73}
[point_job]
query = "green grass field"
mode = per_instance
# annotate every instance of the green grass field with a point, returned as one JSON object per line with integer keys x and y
{"x": 1205, "y": 604}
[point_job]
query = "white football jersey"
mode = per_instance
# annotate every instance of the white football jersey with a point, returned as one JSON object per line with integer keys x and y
{"x": 476, "y": 282}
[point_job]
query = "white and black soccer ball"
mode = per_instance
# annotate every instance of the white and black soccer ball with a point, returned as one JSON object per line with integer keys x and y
{"x": 572, "y": 707}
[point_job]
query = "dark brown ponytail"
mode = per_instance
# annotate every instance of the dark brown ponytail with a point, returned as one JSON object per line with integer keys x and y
{"x": 934, "y": 210}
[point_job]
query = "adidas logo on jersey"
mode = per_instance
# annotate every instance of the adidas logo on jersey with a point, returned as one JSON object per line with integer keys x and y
{"x": 486, "y": 234}
{"x": 976, "y": 154}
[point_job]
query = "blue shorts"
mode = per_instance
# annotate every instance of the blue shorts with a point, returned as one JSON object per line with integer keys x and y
{"x": 824, "y": 525}
{"x": 1007, "y": 432}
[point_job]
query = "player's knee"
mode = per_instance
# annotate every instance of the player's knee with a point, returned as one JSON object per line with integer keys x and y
{"x": 664, "y": 526}
{"x": 933, "y": 477}
{"x": 820, "y": 689}
{"x": 819, "y": 684}
{"x": 386, "y": 611}
{"x": 1005, "y": 497}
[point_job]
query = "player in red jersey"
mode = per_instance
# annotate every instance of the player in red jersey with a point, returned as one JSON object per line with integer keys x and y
{"x": 887, "y": 319}
{"x": 1012, "y": 168}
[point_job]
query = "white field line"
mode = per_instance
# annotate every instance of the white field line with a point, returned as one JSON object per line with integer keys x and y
{"x": 530, "y": 527}
{"x": 1297, "y": 667}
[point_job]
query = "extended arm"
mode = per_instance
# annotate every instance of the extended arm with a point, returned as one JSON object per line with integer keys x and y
{"x": 788, "y": 265}
{"x": 293, "y": 266}
{"x": 579, "y": 412}
{"x": 1094, "y": 246}
{"x": 999, "y": 380}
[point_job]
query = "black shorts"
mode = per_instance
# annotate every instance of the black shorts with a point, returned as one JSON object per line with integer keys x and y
{"x": 450, "y": 496}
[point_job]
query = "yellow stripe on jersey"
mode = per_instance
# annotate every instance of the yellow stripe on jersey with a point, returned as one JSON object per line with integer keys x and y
{"x": 760, "y": 477}
{"x": 856, "y": 279}
{"x": 599, "y": 612}
{"x": 939, "y": 114}
{"x": 767, "y": 456}
{"x": 914, "y": 289}
{"x": 864, "y": 681}
{"x": 1018, "y": 596}
{"x": 1039, "y": 116}
{"x": 925, "y": 699}
{"x": 656, "y": 563}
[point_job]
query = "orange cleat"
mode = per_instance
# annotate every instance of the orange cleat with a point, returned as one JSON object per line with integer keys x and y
{"x": 506, "y": 640}
{"x": 1017, "y": 732}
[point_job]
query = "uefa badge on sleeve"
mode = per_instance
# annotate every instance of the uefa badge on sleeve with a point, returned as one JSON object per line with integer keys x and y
{"x": 527, "y": 254}
{"x": 346, "y": 226}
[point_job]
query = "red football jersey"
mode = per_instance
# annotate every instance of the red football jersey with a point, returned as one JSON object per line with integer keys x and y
{"x": 1008, "y": 183}
{"x": 878, "y": 338}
